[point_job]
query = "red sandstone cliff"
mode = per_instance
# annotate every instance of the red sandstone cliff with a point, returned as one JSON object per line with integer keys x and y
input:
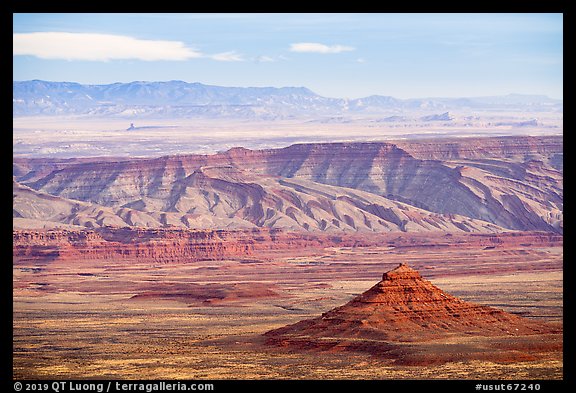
{"x": 181, "y": 245}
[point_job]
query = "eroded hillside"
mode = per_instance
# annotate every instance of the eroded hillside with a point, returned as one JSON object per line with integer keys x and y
{"x": 470, "y": 185}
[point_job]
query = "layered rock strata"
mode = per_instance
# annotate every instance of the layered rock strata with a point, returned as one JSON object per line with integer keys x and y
{"x": 180, "y": 245}
{"x": 405, "y": 307}
{"x": 476, "y": 185}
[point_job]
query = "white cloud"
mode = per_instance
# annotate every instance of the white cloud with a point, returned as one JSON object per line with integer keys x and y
{"x": 98, "y": 47}
{"x": 227, "y": 56}
{"x": 312, "y": 47}
{"x": 264, "y": 59}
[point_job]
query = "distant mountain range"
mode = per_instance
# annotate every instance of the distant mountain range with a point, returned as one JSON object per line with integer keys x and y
{"x": 182, "y": 99}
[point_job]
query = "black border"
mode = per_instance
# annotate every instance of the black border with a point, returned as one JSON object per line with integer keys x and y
{"x": 104, "y": 6}
{"x": 168, "y": 6}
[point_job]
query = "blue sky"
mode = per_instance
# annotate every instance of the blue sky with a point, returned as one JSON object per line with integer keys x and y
{"x": 335, "y": 55}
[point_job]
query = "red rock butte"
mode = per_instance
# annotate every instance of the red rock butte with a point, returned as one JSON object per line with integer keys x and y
{"x": 404, "y": 307}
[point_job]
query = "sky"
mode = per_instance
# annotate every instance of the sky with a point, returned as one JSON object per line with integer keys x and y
{"x": 334, "y": 55}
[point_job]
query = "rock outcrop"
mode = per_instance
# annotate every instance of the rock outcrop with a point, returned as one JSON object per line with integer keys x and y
{"x": 184, "y": 245}
{"x": 207, "y": 294}
{"x": 164, "y": 245}
{"x": 403, "y": 308}
{"x": 406, "y": 307}
{"x": 128, "y": 243}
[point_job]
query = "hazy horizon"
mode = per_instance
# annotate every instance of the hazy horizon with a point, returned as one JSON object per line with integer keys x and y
{"x": 289, "y": 87}
{"x": 334, "y": 55}
{"x": 313, "y": 197}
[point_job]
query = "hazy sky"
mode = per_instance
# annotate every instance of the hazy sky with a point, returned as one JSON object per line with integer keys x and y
{"x": 335, "y": 55}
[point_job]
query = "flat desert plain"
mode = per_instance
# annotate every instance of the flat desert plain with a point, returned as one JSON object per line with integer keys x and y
{"x": 69, "y": 137}
{"x": 94, "y": 319}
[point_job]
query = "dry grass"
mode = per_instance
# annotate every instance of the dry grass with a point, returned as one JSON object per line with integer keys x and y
{"x": 68, "y": 325}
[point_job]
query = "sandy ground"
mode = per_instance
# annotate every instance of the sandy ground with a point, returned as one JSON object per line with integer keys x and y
{"x": 79, "y": 319}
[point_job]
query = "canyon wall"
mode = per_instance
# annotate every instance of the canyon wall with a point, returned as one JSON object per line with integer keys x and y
{"x": 176, "y": 245}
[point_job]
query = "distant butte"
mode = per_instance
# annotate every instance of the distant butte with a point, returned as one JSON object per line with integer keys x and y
{"x": 406, "y": 308}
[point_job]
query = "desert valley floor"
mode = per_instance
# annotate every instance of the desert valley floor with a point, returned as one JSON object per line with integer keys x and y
{"x": 222, "y": 197}
{"x": 91, "y": 318}
{"x": 247, "y": 264}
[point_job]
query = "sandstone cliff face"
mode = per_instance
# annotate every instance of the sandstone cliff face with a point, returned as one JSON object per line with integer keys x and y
{"x": 511, "y": 182}
{"x": 128, "y": 243}
{"x": 521, "y": 148}
{"x": 483, "y": 184}
{"x": 183, "y": 245}
{"x": 164, "y": 245}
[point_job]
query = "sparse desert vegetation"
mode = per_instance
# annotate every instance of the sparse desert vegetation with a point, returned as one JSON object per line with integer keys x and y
{"x": 85, "y": 318}
{"x": 288, "y": 196}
